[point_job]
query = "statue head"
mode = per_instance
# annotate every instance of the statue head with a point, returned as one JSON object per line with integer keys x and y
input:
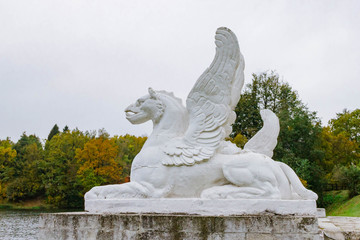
{"x": 148, "y": 107}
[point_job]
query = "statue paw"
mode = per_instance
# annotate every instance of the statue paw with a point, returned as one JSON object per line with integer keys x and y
{"x": 100, "y": 192}
{"x": 116, "y": 191}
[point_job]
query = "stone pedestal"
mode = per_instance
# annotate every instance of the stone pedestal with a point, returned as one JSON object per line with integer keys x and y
{"x": 185, "y": 219}
{"x": 158, "y": 226}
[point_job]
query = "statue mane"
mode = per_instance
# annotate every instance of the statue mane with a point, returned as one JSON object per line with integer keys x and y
{"x": 171, "y": 94}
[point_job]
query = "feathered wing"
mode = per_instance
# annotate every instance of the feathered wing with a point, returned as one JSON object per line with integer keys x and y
{"x": 265, "y": 140}
{"x": 210, "y": 104}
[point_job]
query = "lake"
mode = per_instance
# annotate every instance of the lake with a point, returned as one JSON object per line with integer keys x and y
{"x": 19, "y": 224}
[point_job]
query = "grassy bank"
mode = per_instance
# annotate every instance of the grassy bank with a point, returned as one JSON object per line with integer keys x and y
{"x": 35, "y": 204}
{"x": 339, "y": 204}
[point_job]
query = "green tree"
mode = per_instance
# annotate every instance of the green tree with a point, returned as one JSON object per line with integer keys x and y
{"x": 66, "y": 128}
{"x": 347, "y": 123}
{"x": 350, "y": 177}
{"x": 298, "y": 141}
{"x": 53, "y": 132}
{"x": 60, "y": 168}
{"x": 25, "y": 182}
{"x": 338, "y": 150}
{"x": 248, "y": 120}
{"x": 128, "y": 147}
{"x": 265, "y": 92}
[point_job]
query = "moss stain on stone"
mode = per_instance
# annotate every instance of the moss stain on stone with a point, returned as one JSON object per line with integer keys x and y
{"x": 175, "y": 228}
{"x": 306, "y": 222}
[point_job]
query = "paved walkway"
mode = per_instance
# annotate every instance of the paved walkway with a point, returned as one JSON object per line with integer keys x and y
{"x": 340, "y": 228}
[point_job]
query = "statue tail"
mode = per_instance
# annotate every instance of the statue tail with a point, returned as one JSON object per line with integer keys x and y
{"x": 296, "y": 184}
{"x": 265, "y": 139}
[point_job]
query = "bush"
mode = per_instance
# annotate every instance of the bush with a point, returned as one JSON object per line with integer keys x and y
{"x": 334, "y": 197}
{"x": 350, "y": 177}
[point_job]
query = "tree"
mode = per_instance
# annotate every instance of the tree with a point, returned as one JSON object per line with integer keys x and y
{"x": 66, "y": 128}
{"x": 25, "y": 181}
{"x": 7, "y": 159}
{"x": 265, "y": 92}
{"x": 59, "y": 171}
{"x": 347, "y": 123}
{"x": 298, "y": 141}
{"x": 53, "y": 132}
{"x": 239, "y": 140}
{"x": 128, "y": 147}
{"x": 341, "y": 146}
{"x": 248, "y": 120}
{"x": 350, "y": 177}
{"x": 97, "y": 163}
{"x": 338, "y": 150}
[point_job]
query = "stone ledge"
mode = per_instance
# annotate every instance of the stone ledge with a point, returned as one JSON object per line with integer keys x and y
{"x": 340, "y": 228}
{"x": 170, "y": 226}
{"x": 205, "y": 207}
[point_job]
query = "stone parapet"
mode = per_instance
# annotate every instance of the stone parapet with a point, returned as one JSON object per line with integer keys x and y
{"x": 89, "y": 226}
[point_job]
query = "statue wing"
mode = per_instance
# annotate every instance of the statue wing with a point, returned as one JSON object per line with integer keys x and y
{"x": 210, "y": 104}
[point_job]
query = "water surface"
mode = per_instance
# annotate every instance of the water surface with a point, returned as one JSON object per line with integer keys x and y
{"x": 19, "y": 224}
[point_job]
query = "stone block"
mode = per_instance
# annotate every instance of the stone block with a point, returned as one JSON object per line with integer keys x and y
{"x": 181, "y": 226}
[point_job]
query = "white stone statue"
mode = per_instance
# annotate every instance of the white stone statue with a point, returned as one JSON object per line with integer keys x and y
{"x": 186, "y": 155}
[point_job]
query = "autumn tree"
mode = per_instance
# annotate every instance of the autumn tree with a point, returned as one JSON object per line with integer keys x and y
{"x": 97, "y": 163}
{"x": 7, "y": 159}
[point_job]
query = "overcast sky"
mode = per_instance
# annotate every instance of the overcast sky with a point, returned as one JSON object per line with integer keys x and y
{"x": 80, "y": 63}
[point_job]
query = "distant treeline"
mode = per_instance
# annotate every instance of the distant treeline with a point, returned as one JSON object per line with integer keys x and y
{"x": 66, "y": 167}
{"x": 71, "y": 162}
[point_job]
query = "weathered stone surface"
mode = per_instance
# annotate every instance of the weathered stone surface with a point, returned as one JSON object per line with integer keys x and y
{"x": 159, "y": 226}
{"x": 212, "y": 207}
{"x": 340, "y": 228}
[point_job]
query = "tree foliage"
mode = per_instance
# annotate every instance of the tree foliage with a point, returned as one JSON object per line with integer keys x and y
{"x": 128, "y": 147}
{"x": 319, "y": 155}
{"x": 7, "y": 160}
{"x": 60, "y": 169}
{"x": 53, "y": 132}
{"x": 341, "y": 144}
{"x": 338, "y": 149}
{"x": 298, "y": 141}
{"x": 349, "y": 176}
{"x": 22, "y": 178}
{"x": 97, "y": 163}
{"x": 348, "y": 124}
{"x": 70, "y": 164}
